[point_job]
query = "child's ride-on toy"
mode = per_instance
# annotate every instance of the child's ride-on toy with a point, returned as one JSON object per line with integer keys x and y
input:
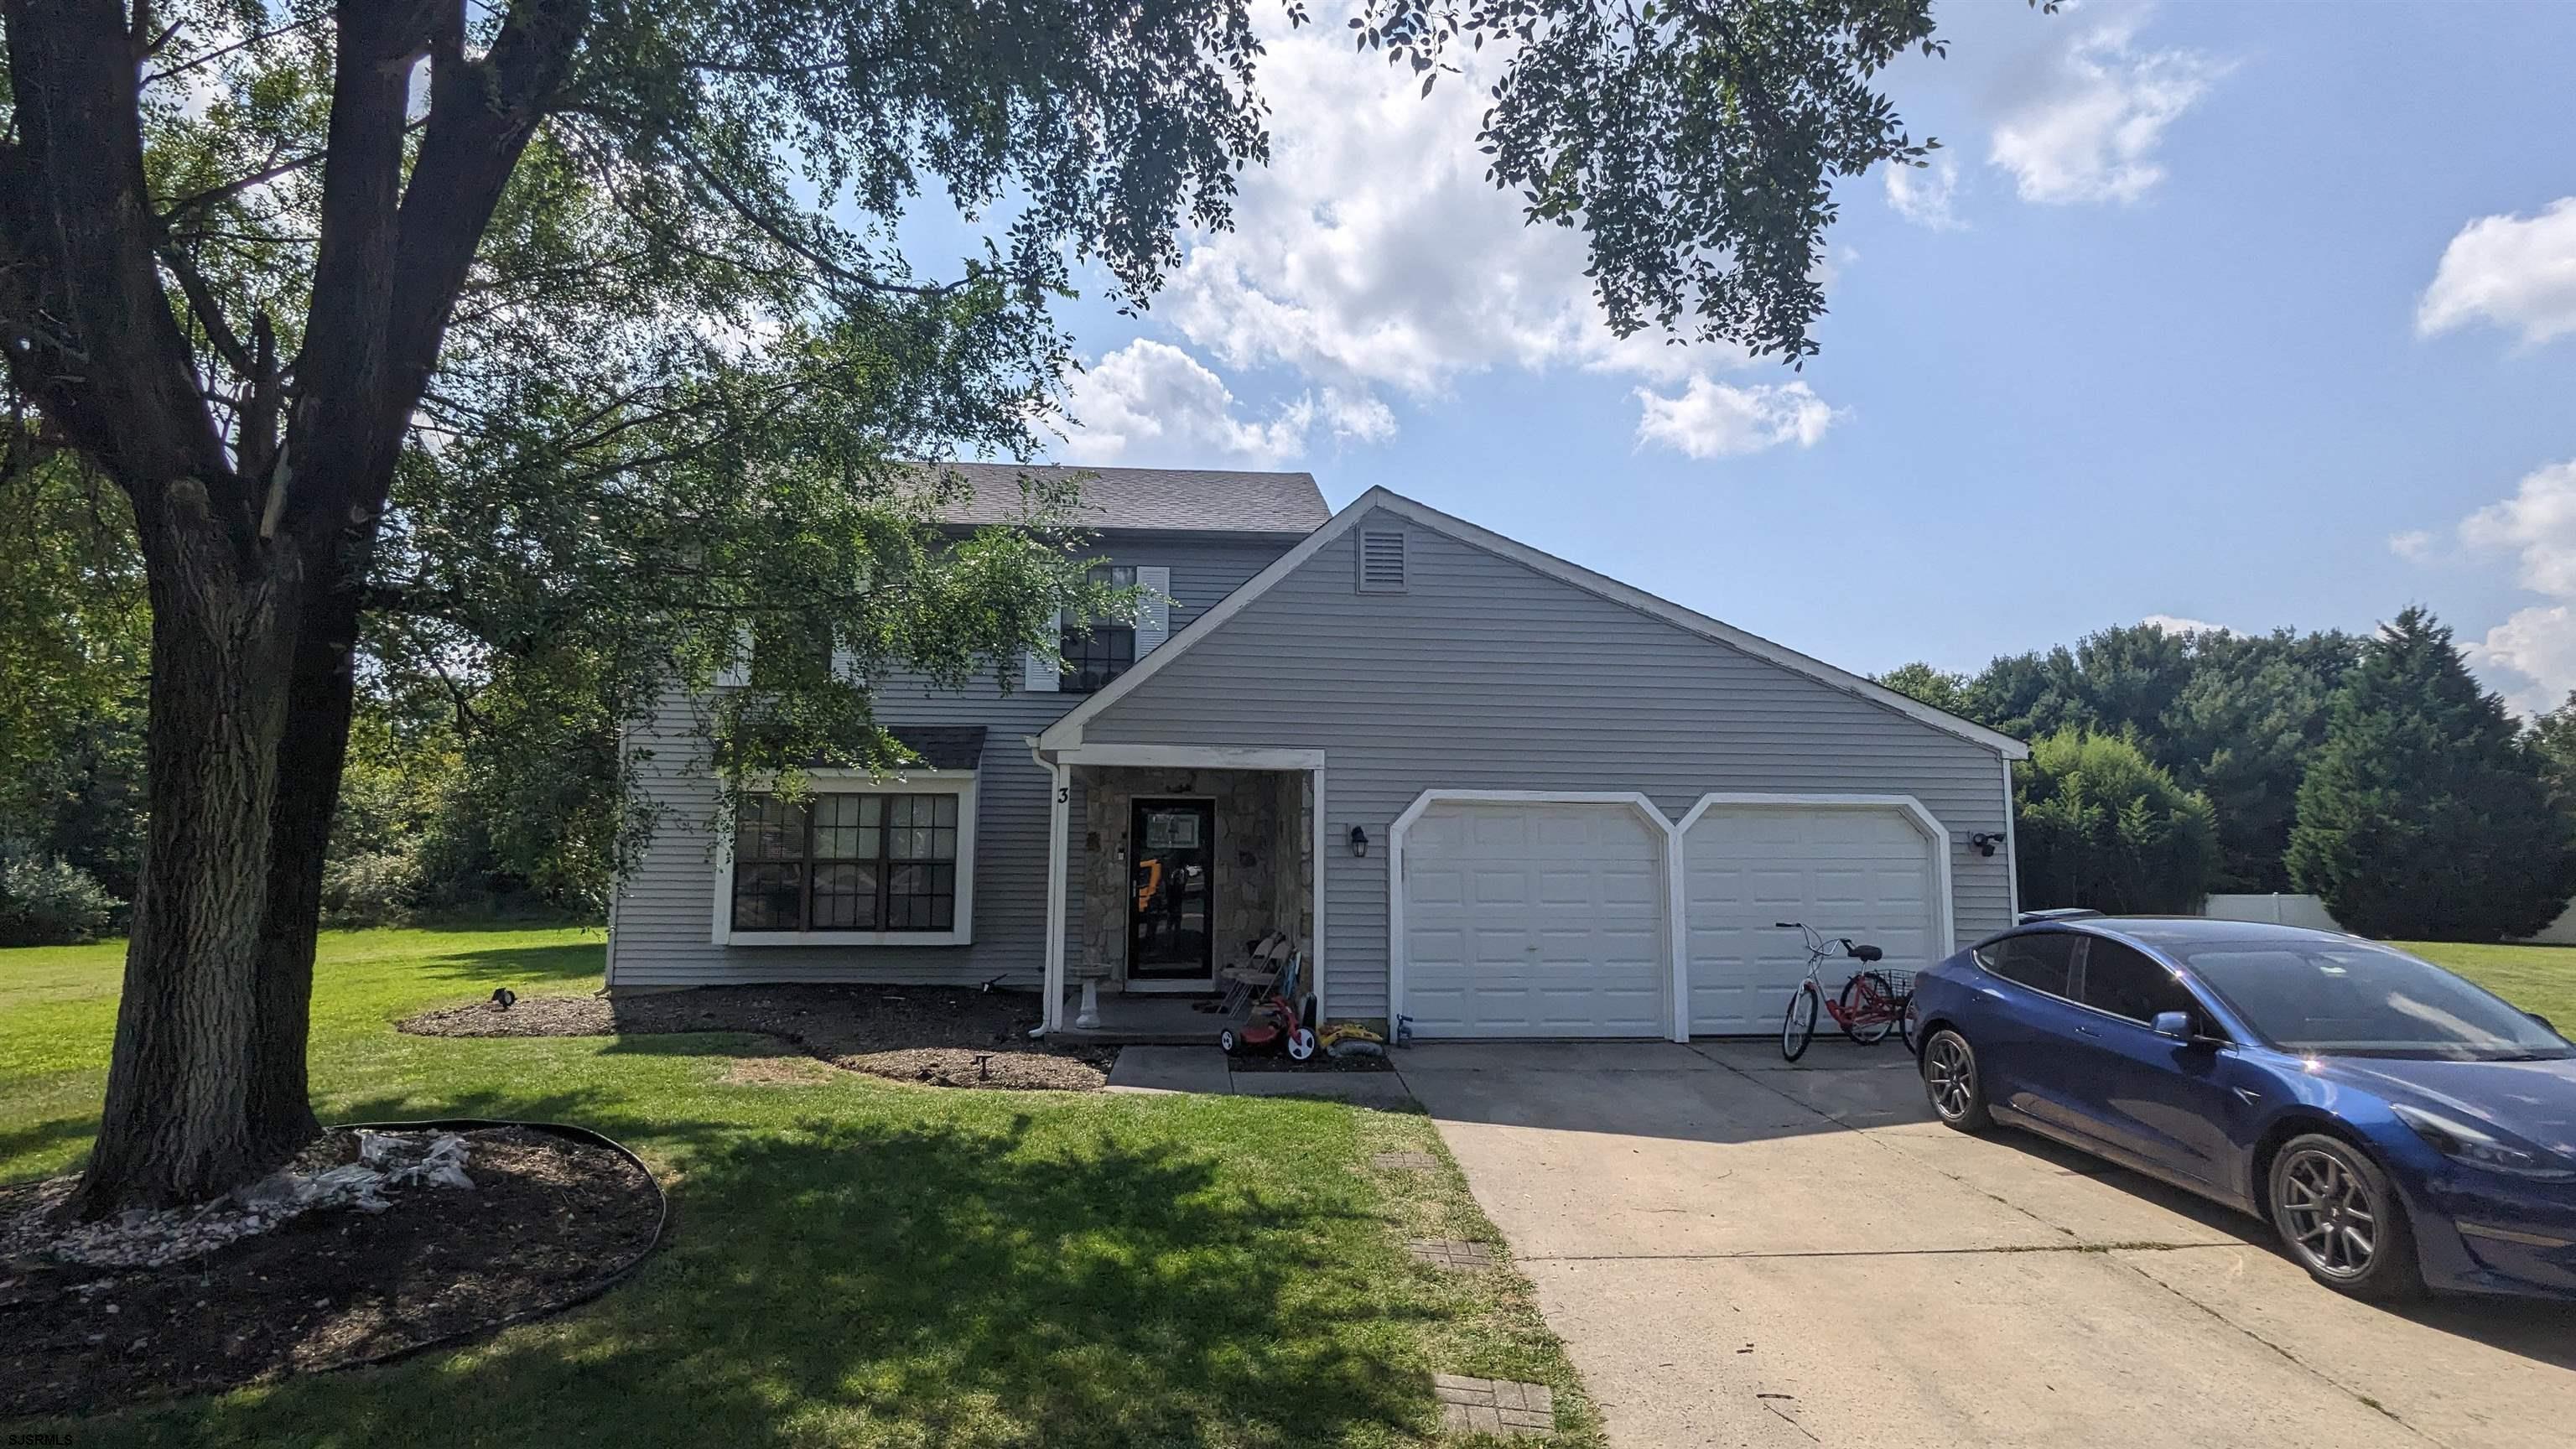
{"x": 1277, "y": 1022}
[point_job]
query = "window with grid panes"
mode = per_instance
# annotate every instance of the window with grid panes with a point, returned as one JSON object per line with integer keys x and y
{"x": 846, "y": 862}
{"x": 1099, "y": 654}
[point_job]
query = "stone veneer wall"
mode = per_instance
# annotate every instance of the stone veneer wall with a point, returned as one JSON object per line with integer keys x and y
{"x": 1264, "y": 816}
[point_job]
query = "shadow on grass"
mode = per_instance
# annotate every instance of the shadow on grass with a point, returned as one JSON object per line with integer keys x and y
{"x": 894, "y": 1282}
{"x": 506, "y": 964}
{"x": 39, "y": 1136}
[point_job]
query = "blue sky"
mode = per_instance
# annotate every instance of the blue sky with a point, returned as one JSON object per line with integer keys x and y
{"x": 2246, "y": 315}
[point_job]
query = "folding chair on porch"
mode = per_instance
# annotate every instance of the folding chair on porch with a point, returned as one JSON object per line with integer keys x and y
{"x": 1246, "y": 983}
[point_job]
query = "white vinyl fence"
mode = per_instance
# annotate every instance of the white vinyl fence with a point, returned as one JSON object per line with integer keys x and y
{"x": 2304, "y": 910}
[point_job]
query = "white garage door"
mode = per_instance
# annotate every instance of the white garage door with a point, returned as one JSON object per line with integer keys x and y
{"x": 1528, "y": 919}
{"x": 1863, "y": 872}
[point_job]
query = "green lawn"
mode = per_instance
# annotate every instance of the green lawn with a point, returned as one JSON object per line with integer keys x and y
{"x": 856, "y": 1261}
{"x": 2535, "y": 978}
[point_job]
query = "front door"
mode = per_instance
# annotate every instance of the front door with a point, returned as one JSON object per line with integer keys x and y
{"x": 1171, "y": 880}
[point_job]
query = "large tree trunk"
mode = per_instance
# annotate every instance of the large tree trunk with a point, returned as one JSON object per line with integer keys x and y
{"x": 310, "y": 760}
{"x": 180, "y": 1123}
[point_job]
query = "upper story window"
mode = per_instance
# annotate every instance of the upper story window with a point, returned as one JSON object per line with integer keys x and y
{"x": 1099, "y": 654}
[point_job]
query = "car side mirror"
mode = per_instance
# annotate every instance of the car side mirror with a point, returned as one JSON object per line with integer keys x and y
{"x": 2177, "y": 1024}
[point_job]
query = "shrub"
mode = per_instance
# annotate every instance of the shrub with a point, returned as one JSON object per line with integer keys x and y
{"x": 51, "y": 903}
{"x": 2100, "y": 825}
{"x": 371, "y": 887}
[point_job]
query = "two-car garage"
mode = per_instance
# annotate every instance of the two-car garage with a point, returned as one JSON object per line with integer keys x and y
{"x": 1518, "y": 914}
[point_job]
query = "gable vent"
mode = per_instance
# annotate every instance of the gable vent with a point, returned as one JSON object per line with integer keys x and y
{"x": 1381, "y": 561}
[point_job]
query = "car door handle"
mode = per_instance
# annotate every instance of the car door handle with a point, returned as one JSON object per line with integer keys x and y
{"x": 2086, "y": 1031}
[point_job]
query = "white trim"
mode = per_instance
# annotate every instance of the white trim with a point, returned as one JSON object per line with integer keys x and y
{"x": 1315, "y": 941}
{"x": 1154, "y": 609}
{"x": 1192, "y": 757}
{"x": 1645, "y": 808}
{"x": 1059, "y": 862}
{"x": 2012, "y": 856}
{"x": 1042, "y": 672}
{"x": 960, "y": 783}
{"x": 1067, "y": 731}
{"x": 1945, "y": 891}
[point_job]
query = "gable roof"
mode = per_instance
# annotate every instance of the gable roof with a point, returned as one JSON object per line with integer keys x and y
{"x": 1183, "y": 500}
{"x": 1067, "y": 731}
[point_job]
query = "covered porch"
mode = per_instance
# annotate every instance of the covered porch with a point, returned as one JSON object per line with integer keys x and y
{"x": 1168, "y": 863}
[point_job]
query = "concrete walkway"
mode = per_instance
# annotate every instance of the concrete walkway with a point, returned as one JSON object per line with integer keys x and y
{"x": 1207, "y": 1070}
{"x": 1742, "y": 1253}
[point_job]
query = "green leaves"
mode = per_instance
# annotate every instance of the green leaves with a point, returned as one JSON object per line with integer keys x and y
{"x": 1696, "y": 146}
{"x": 2101, "y": 826}
{"x": 2424, "y": 815}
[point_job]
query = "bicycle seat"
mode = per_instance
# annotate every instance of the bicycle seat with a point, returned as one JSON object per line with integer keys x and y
{"x": 1866, "y": 953}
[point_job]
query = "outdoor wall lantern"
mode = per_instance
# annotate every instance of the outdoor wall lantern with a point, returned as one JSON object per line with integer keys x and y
{"x": 1359, "y": 841}
{"x": 1983, "y": 843}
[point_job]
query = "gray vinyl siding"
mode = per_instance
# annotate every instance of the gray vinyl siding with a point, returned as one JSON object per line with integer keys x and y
{"x": 662, "y": 923}
{"x": 1485, "y": 674}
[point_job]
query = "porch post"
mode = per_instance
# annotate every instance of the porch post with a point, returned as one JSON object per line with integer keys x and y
{"x": 1315, "y": 908}
{"x": 1059, "y": 824}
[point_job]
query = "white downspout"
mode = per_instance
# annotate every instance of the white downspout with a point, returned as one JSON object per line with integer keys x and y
{"x": 1059, "y": 822}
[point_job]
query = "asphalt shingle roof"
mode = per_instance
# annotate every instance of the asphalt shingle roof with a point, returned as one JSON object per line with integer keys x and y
{"x": 1192, "y": 499}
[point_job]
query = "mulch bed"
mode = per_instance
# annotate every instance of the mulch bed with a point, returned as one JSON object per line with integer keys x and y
{"x": 943, "y": 1036}
{"x": 545, "y": 1220}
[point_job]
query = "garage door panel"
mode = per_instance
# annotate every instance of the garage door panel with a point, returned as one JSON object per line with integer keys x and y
{"x": 1862, "y": 872}
{"x": 1557, "y": 932}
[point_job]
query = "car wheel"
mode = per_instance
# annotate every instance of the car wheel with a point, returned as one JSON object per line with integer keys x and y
{"x": 1951, "y": 1083}
{"x": 2341, "y": 1220}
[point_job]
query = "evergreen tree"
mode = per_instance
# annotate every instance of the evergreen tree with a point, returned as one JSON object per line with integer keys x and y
{"x": 2553, "y": 737}
{"x": 2100, "y": 825}
{"x": 2424, "y": 814}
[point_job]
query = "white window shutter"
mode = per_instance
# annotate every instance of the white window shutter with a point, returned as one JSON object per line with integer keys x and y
{"x": 1154, "y": 611}
{"x": 1040, "y": 673}
{"x": 738, "y": 673}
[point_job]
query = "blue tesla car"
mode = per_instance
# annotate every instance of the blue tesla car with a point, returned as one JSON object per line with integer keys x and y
{"x": 2400, "y": 1127}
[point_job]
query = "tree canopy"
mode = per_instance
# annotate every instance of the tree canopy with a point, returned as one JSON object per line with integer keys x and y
{"x": 2232, "y": 716}
{"x": 2101, "y": 825}
{"x": 2424, "y": 814}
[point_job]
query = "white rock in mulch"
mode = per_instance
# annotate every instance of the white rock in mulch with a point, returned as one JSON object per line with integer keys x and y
{"x": 137, "y": 1238}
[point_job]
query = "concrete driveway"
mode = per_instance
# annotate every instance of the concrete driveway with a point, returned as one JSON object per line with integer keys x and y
{"x": 1738, "y": 1252}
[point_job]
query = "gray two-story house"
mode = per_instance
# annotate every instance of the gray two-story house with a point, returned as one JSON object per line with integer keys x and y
{"x": 1482, "y": 788}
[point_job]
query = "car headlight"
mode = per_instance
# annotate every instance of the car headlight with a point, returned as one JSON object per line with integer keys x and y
{"x": 2463, "y": 1142}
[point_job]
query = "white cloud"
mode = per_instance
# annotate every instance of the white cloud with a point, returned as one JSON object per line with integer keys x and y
{"x": 2511, "y": 271}
{"x": 1714, "y": 420}
{"x": 1150, "y": 402}
{"x": 2538, "y": 526}
{"x": 2178, "y": 624}
{"x": 1922, "y": 195}
{"x": 2539, "y": 644}
{"x": 1371, "y": 255}
{"x": 2414, "y": 545}
{"x": 2089, "y": 132}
